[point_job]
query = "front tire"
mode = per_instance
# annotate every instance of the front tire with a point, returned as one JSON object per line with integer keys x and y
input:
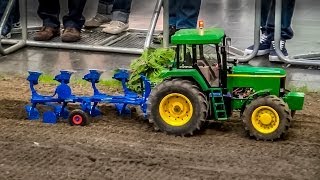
{"x": 267, "y": 118}
{"x": 177, "y": 107}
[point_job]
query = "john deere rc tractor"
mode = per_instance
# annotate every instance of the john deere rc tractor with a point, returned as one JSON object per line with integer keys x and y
{"x": 196, "y": 91}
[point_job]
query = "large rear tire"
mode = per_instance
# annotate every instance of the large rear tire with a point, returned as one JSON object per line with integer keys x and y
{"x": 267, "y": 118}
{"x": 177, "y": 107}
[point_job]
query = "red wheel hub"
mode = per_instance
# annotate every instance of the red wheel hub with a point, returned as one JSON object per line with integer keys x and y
{"x": 77, "y": 119}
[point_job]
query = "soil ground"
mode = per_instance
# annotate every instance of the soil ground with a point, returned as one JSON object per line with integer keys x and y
{"x": 113, "y": 147}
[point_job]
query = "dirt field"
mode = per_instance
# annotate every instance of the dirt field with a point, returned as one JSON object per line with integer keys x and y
{"x": 128, "y": 148}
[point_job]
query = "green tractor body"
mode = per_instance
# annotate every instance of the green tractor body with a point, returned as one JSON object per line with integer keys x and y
{"x": 196, "y": 91}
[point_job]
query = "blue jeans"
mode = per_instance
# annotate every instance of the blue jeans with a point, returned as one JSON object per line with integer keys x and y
{"x": 49, "y": 11}
{"x": 268, "y": 16}
{"x": 183, "y": 14}
{"x": 14, "y": 16}
{"x": 120, "y": 10}
{"x": 106, "y": 2}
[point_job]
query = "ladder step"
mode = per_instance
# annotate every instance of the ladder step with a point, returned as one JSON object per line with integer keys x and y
{"x": 217, "y": 104}
{"x": 220, "y": 111}
{"x": 220, "y": 100}
{"x": 215, "y": 95}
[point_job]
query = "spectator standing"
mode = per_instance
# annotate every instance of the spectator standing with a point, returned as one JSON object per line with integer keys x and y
{"x": 103, "y": 15}
{"x": 49, "y": 11}
{"x": 266, "y": 45}
{"x": 182, "y": 15}
{"x": 13, "y": 19}
{"x": 120, "y": 17}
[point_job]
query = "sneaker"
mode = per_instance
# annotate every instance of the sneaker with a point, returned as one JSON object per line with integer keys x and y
{"x": 7, "y": 36}
{"x": 158, "y": 39}
{"x": 97, "y": 21}
{"x": 16, "y": 25}
{"x": 6, "y": 32}
{"x": 273, "y": 57}
{"x": 115, "y": 27}
{"x": 264, "y": 46}
{"x": 70, "y": 35}
{"x": 46, "y": 34}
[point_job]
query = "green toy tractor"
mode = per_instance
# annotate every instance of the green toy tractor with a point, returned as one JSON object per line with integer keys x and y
{"x": 195, "y": 91}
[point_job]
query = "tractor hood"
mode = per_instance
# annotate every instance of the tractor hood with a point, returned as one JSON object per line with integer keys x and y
{"x": 265, "y": 71}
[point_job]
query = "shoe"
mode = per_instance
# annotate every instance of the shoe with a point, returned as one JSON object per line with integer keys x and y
{"x": 5, "y": 34}
{"x": 159, "y": 39}
{"x": 273, "y": 57}
{"x": 115, "y": 27}
{"x": 96, "y": 21}
{"x": 70, "y": 35}
{"x": 264, "y": 46}
{"x": 46, "y": 34}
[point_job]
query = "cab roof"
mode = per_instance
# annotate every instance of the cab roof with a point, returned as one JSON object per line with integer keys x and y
{"x": 198, "y": 36}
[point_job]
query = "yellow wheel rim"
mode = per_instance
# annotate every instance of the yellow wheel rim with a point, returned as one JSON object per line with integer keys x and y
{"x": 265, "y": 119}
{"x": 176, "y": 109}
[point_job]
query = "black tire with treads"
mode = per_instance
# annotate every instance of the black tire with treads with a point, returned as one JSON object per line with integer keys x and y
{"x": 279, "y": 106}
{"x": 186, "y": 88}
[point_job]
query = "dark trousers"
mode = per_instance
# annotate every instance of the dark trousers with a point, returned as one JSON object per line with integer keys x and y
{"x": 122, "y": 6}
{"x": 16, "y": 12}
{"x": 106, "y": 2}
{"x": 14, "y": 16}
{"x": 49, "y": 11}
{"x": 268, "y": 16}
{"x": 184, "y": 13}
{"x": 120, "y": 9}
{"x": 118, "y": 5}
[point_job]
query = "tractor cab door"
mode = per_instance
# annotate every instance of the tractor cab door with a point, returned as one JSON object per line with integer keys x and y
{"x": 192, "y": 56}
{"x": 208, "y": 68}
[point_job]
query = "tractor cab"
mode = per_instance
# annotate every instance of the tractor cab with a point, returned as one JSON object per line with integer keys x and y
{"x": 190, "y": 44}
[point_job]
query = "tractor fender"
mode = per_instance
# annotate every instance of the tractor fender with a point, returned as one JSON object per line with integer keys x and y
{"x": 188, "y": 74}
{"x": 261, "y": 93}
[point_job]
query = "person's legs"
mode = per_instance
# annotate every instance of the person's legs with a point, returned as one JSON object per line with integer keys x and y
{"x": 49, "y": 12}
{"x": 8, "y": 25}
{"x": 105, "y": 7}
{"x": 286, "y": 19}
{"x": 121, "y": 10}
{"x": 16, "y": 13}
{"x": 75, "y": 18}
{"x": 182, "y": 15}
{"x": 120, "y": 17}
{"x": 265, "y": 39}
{"x": 286, "y": 30}
{"x": 265, "y": 8}
{"x": 103, "y": 15}
{"x": 187, "y": 13}
{"x": 172, "y": 22}
{"x": 173, "y": 13}
{"x": 74, "y": 21}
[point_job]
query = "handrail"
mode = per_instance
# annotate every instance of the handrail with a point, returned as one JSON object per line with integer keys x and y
{"x": 153, "y": 23}
{"x": 166, "y": 24}
{"x": 257, "y": 23}
{"x": 277, "y": 37}
{"x": 21, "y": 43}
